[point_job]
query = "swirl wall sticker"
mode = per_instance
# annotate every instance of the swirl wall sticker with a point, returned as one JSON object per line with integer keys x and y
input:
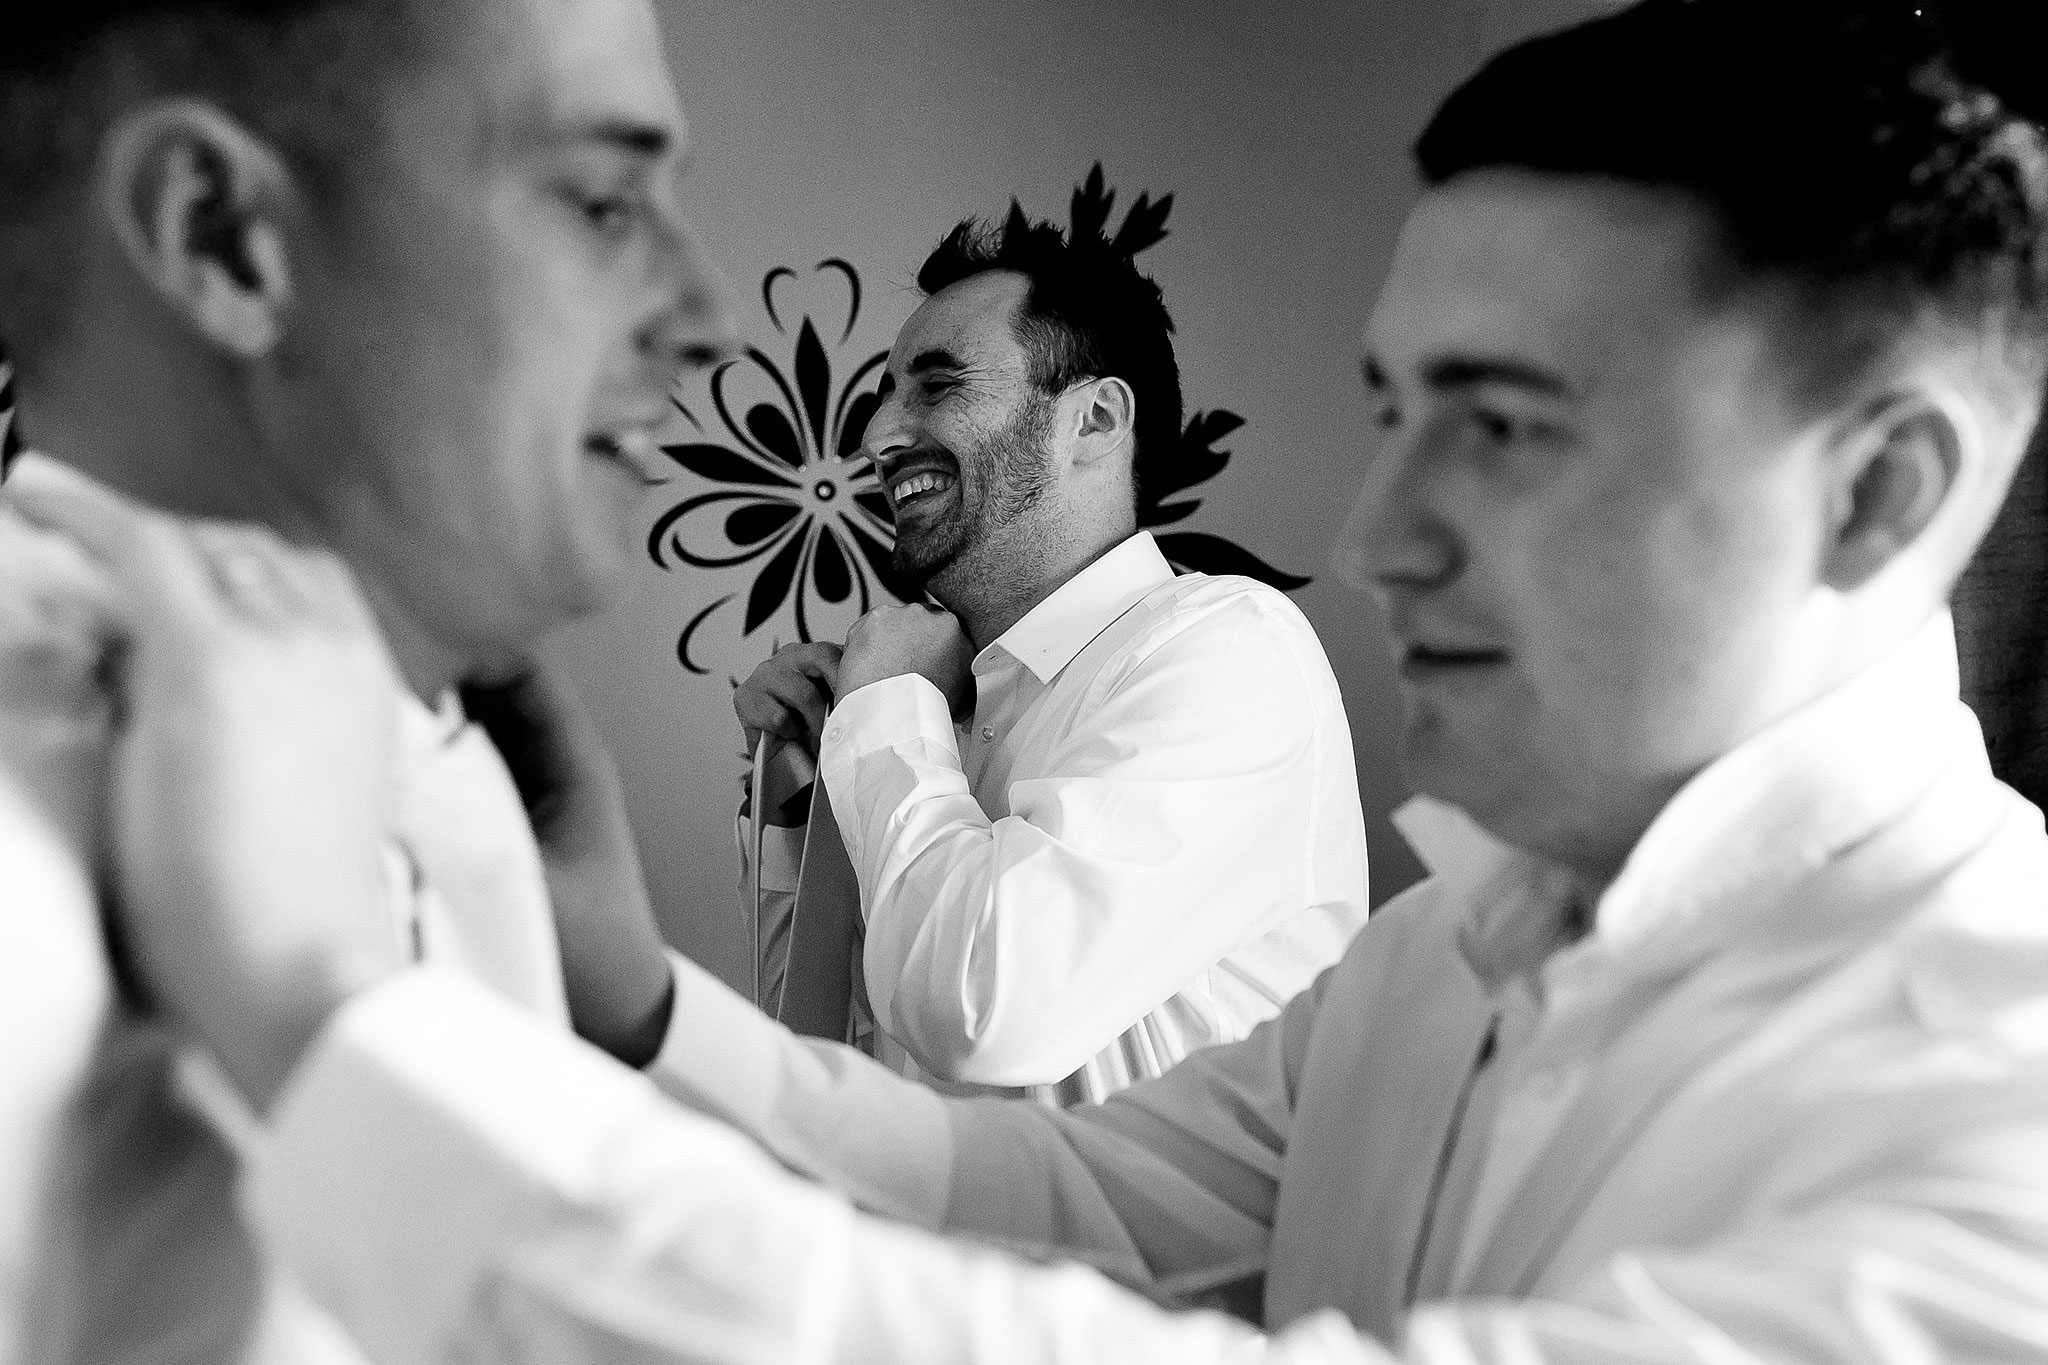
{"x": 787, "y": 524}
{"x": 10, "y": 434}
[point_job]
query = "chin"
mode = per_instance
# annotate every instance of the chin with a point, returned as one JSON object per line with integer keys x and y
{"x": 1437, "y": 764}
{"x": 918, "y": 565}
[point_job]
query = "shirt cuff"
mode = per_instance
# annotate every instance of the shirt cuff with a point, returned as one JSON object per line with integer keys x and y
{"x": 885, "y": 715}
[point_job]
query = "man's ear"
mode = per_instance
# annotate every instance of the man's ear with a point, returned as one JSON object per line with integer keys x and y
{"x": 1106, "y": 420}
{"x": 196, "y": 203}
{"x": 1899, "y": 468}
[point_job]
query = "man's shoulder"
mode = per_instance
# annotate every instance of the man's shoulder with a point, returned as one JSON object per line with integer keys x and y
{"x": 1973, "y": 960}
{"x": 1222, "y": 607}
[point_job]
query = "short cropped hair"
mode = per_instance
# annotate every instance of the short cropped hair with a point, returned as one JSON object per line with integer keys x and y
{"x": 1088, "y": 313}
{"x": 295, "y": 71}
{"x": 1835, "y": 146}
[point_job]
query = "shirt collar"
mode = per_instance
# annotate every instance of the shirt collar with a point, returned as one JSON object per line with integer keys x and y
{"x": 1053, "y": 632}
{"x": 1774, "y": 809}
{"x": 32, "y": 458}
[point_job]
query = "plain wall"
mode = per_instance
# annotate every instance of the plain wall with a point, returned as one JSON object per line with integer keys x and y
{"x": 863, "y": 129}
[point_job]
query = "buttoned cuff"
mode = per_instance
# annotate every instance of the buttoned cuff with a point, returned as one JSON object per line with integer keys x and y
{"x": 905, "y": 716}
{"x": 782, "y": 853}
{"x": 885, "y": 715}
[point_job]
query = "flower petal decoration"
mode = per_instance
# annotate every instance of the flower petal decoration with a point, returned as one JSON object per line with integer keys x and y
{"x": 1196, "y": 459}
{"x": 791, "y": 499}
{"x": 780, "y": 493}
{"x": 10, "y": 432}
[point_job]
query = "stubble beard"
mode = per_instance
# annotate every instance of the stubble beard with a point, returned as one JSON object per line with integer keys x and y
{"x": 1017, "y": 472}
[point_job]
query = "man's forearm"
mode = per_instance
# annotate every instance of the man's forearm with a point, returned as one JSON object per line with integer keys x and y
{"x": 452, "y": 1177}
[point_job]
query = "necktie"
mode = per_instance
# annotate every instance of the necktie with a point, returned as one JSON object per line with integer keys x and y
{"x": 817, "y": 986}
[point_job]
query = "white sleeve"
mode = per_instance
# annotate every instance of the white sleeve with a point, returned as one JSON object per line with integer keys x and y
{"x": 1175, "y": 826}
{"x": 1938, "y": 1256}
{"x": 456, "y": 1181}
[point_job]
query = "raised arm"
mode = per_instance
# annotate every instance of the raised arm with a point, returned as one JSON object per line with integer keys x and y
{"x": 1187, "y": 814}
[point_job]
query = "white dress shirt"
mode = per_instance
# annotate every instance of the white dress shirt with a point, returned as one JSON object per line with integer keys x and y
{"x": 1786, "y": 1099}
{"x": 125, "y": 1197}
{"x": 1146, "y": 839}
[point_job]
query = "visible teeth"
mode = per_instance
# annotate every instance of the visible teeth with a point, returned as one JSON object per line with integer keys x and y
{"x": 916, "y": 484}
{"x": 635, "y": 446}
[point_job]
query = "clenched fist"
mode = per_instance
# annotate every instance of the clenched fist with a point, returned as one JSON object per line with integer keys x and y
{"x": 892, "y": 642}
{"x": 789, "y": 694}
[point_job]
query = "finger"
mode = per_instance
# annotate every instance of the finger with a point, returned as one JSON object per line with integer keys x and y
{"x": 760, "y": 710}
{"x": 799, "y": 695}
{"x": 158, "y": 568}
{"x": 251, "y": 570}
{"x": 816, "y": 659}
{"x": 52, "y": 577}
{"x": 332, "y": 587}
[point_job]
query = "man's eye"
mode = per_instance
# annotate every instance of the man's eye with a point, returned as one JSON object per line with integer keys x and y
{"x": 1387, "y": 417}
{"x": 1496, "y": 428}
{"x": 611, "y": 213}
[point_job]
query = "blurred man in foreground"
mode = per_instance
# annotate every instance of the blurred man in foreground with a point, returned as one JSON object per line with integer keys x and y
{"x": 1717, "y": 1033}
{"x": 406, "y": 279}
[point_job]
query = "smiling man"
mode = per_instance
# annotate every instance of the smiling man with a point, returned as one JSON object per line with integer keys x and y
{"x": 1717, "y": 1033}
{"x": 403, "y": 279}
{"x": 1143, "y": 835}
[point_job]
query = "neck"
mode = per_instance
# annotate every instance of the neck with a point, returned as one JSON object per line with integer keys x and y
{"x": 200, "y": 458}
{"x": 998, "y": 585}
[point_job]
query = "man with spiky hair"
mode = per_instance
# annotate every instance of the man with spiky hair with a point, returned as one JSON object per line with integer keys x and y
{"x": 1719, "y": 1031}
{"x": 404, "y": 278}
{"x": 1143, "y": 835}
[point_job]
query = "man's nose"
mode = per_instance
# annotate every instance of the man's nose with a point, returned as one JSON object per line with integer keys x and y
{"x": 698, "y": 325}
{"x": 1396, "y": 536}
{"x": 888, "y": 433}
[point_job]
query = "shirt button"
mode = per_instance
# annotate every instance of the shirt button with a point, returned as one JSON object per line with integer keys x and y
{"x": 834, "y": 733}
{"x": 988, "y": 734}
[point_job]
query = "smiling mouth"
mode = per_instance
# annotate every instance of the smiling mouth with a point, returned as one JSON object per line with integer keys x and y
{"x": 909, "y": 490}
{"x": 1423, "y": 662}
{"x": 635, "y": 452}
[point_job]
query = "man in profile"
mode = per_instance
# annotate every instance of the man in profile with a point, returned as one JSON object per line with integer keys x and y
{"x": 1144, "y": 836}
{"x": 407, "y": 279}
{"x": 1716, "y": 1033}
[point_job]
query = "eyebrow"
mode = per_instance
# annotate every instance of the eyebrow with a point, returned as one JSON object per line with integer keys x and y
{"x": 1467, "y": 372}
{"x": 926, "y": 361}
{"x": 647, "y": 140}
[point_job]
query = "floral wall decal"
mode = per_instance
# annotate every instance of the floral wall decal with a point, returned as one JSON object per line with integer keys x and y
{"x": 1197, "y": 460}
{"x": 10, "y": 437}
{"x": 792, "y": 500}
{"x": 788, "y": 517}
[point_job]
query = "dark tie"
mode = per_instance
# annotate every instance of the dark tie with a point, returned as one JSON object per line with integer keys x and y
{"x": 817, "y": 988}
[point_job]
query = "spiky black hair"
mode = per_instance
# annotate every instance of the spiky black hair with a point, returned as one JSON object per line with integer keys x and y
{"x": 1088, "y": 311}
